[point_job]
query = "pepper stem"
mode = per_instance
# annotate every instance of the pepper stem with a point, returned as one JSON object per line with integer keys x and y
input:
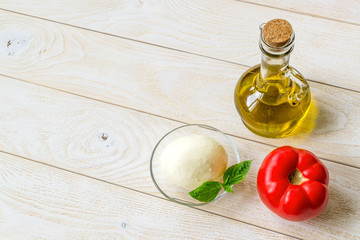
{"x": 296, "y": 177}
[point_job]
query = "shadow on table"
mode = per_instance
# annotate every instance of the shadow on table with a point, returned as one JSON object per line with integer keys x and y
{"x": 318, "y": 120}
{"x": 309, "y": 123}
{"x": 339, "y": 209}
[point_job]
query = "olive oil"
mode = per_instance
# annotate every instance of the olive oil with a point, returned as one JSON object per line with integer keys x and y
{"x": 271, "y": 110}
{"x": 273, "y": 98}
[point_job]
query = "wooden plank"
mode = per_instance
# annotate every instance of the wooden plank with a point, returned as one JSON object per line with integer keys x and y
{"x": 114, "y": 144}
{"x": 168, "y": 83}
{"x": 326, "y": 51}
{"x": 343, "y": 11}
{"x": 42, "y": 202}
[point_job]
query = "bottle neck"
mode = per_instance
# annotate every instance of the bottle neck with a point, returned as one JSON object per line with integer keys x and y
{"x": 274, "y": 63}
{"x": 272, "y": 67}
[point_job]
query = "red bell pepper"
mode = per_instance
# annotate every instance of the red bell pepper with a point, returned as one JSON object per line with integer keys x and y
{"x": 293, "y": 183}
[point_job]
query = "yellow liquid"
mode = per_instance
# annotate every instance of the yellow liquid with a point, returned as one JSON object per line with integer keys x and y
{"x": 277, "y": 107}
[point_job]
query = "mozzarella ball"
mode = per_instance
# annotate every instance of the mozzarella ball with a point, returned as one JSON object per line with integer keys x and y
{"x": 192, "y": 160}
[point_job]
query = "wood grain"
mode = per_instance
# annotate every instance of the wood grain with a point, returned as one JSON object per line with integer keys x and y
{"x": 112, "y": 196}
{"x": 114, "y": 144}
{"x": 168, "y": 83}
{"x": 326, "y": 51}
{"x": 343, "y": 11}
{"x": 41, "y": 202}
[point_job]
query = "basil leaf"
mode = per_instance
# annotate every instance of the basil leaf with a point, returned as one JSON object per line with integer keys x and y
{"x": 236, "y": 173}
{"x": 233, "y": 175}
{"x": 206, "y": 192}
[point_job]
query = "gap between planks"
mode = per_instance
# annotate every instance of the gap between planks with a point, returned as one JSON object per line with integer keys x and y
{"x": 141, "y": 192}
{"x": 156, "y": 115}
{"x": 175, "y": 49}
{"x": 298, "y": 12}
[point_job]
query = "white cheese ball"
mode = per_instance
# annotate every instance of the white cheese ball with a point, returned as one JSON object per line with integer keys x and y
{"x": 192, "y": 160}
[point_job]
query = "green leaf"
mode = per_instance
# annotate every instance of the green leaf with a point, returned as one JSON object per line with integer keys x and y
{"x": 228, "y": 188}
{"x": 233, "y": 175}
{"x": 206, "y": 192}
{"x": 236, "y": 173}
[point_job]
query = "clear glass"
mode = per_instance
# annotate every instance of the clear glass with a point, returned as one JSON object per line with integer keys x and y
{"x": 170, "y": 190}
{"x": 272, "y": 98}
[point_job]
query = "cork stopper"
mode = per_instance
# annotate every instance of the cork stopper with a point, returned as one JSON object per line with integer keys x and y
{"x": 277, "y": 32}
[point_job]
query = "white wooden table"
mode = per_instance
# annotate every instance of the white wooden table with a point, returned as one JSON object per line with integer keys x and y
{"x": 87, "y": 88}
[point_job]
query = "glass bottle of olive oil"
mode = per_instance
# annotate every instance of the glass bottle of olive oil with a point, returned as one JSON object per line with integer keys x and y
{"x": 272, "y": 98}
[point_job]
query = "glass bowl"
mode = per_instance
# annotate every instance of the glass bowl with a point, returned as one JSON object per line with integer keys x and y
{"x": 170, "y": 190}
